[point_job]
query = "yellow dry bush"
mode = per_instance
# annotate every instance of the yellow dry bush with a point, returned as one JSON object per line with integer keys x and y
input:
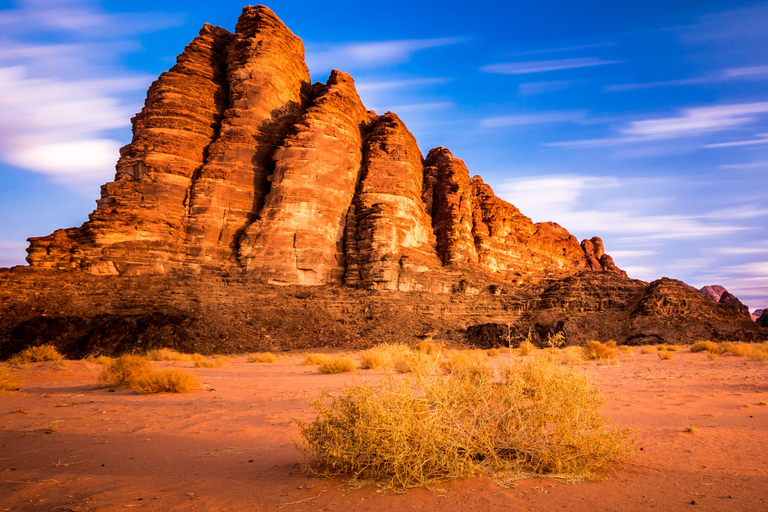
{"x": 315, "y": 359}
{"x": 737, "y": 349}
{"x": 124, "y": 372}
{"x": 103, "y": 360}
{"x": 166, "y": 381}
{"x": 493, "y": 352}
{"x": 375, "y": 358}
{"x": 648, "y": 349}
{"x": 8, "y": 381}
{"x": 414, "y": 362}
{"x": 37, "y": 354}
{"x": 627, "y": 350}
{"x": 672, "y": 348}
{"x": 709, "y": 346}
{"x": 758, "y": 354}
{"x": 526, "y": 348}
{"x": 464, "y": 363}
{"x": 262, "y": 357}
{"x": 542, "y": 419}
{"x": 427, "y": 347}
{"x": 597, "y": 350}
{"x": 665, "y": 354}
{"x": 216, "y": 362}
{"x": 167, "y": 354}
{"x": 713, "y": 355}
{"x": 338, "y": 364}
{"x": 573, "y": 354}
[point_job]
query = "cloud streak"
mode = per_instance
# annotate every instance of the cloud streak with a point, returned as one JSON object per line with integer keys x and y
{"x": 542, "y": 66}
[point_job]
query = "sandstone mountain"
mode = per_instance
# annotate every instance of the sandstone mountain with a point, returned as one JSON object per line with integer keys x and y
{"x": 245, "y": 186}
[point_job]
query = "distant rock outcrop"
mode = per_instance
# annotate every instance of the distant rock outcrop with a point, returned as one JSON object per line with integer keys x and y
{"x": 713, "y": 292}
{"x": 238, "y": 164}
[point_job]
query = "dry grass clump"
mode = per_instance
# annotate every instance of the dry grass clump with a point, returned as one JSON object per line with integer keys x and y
{"x": 573, "y": 354}
{"x": 427, "y": 347}
{"x": 103, "y": 360}
{"x": 8, "y": 381}
{"x": 339, "y": 364}
{"x": 665, "y": 354}
{"x": 375, "y": 358}
{"x": 166, "y": 381}
{"x": 262, "y": 357}
{"x": 648, "y": 349}
{"x": 315, "y": 359}
{"x": 124, "y": 372}
{"x": 627, "y": 350}
{"x": 493, "y": 352}
{"x": 167, "y": 354}
{"x": 419, "y": 363}
{"x": 709, "y": 346}
{"x": 526, "y": 348}
{"x": 216, "y": 362}
{"x": 37, "y": 354}
{"x": 736, "y": 349}
{"x": 465, "y": 363}
{"x": 542, "y": 419}
{"x": 596, "y": 350}
{"x": 672, "y": 348}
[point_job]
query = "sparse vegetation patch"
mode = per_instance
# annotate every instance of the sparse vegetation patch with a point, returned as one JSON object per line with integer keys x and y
{"x": 8, "y": 381}
{"x": 262, "y": 357}
{"x": 338, "y": 364}
{"x": 166, "y": 381}
{"x": 37, "y": 354}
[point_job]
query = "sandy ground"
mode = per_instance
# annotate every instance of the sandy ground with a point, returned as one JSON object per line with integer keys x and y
{"x": 65, "y": 445}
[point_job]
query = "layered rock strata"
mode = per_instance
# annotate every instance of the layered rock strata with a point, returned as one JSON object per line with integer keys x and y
{"x": 239, "y": 165}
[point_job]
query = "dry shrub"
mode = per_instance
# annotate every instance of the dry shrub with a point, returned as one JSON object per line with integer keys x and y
{"x": 526, "y": 348}
{"x": 124, "y": 372}
{"x": 648, "y": 349}
{"x": 627, "y": 350}
{"x": 414, "y": 362}
{"x": 672, "y": 348}
{"x": 542, "y": 419}
{"x": 315, "y": 359}
{"x": 709, "y": 346}
{"x": 597, "y": 350}
{"x": 167, "y": 354}
{"x": 375, "y": 358}
{"x": 37, "y": 354}
{"x": 737, "y": 349}
{"x": 216, "y": 362}
{"x": 166, "y": 381}
{"x": 463, "y": 363}
{"x": 8, "y": 381}
{"x": 759, "y": 353}
{"x": 493, "y": 352}
{"x": 427, "y": 347}
{"x": 262, "y": 357}
{"x": 665, "y": 354}
{"x": 713, "y": 355}
{"x": 339, "y": 364}
{"x": 573, "y": 354}
{"x": 102, "y": 360}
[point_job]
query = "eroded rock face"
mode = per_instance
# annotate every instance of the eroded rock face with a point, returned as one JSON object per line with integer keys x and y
{"x": 239, "y": 165}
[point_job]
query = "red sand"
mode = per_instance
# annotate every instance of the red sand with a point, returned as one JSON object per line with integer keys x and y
{"x": 69, "y": 446}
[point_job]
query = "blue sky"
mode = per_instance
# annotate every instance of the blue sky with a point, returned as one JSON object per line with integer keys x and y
{"x": 645, "y": 123}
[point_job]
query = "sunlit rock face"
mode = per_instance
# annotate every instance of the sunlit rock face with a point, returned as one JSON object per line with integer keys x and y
{"x": 239, "y": 165}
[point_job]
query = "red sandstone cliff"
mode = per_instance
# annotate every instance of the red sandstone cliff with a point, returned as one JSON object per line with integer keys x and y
{"x": 238, "y": 164}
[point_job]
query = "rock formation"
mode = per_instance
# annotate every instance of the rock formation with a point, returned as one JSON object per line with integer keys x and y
{"x": 244, "y": 184}
{"x": 237, "y": 164}
{"x": 714, "y": 292}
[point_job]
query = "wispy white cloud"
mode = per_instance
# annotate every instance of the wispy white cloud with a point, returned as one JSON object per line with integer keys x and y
{"x": 534, "y": 88}
{"x": 365, "y": 86}
{"x": 762, "y": 139}
{"x": 366, "y": 54}
{"x": 60, "y": 100}
{"x": 725, "y": 75}
{"x": 574, "y": 116}
{"x": 541, "y": 66}
{"x": 12, "y": 253}
{"x": 563, "y": 49}
{"x": 745, "y": 166}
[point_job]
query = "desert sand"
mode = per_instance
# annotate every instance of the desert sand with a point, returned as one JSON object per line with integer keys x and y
{"x": 702, "y": 442}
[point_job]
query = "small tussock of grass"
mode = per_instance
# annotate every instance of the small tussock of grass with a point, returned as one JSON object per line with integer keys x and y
{"x": 418, "y": 363}
{"x": 709, "y": 346}
{"x": 665, "y": 354}
{"x": 39, "y": 354}
{"x": 427, "y": 347}
{"x": 166, "y": 381}
{"x": 526, "y": 348}
{"x": 375, "y": 358}
{"x": 262, "y": 357}
{"x": 102, "y": 360}
{"x": 648, "y": 349}
{"x": 167, "y": 354}
{"x": 463, "y": 363}
{"x": 594, "y": 350}
{"x": 736, "y": 349}
{"x": 315, "y": 359}
{"x": 216, "y": 362}
{"x": 713, "y": 355}
{"x": 493, "y": 352}
{"x": 542, "y": 419}
{"x": 338, "y": 364}
{"x": 124, "y": 372}
{"x": 573, "y": 354}
{"x": 627, "y": 350}
{"x": 8, "y": 381}
{"x": 691, "y": 429}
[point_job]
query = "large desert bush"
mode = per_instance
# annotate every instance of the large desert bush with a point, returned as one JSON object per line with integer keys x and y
{"x": 427, "y": 347}
{"x": 8, "y": 381}
{"x": 338, "y": 364}
{"x": 709, "y": 346}
{"x": 466, "y": 363}
{"x": 542, "y": 419}
{"x": 124, "y": 372}
{"x": 166, "y": 381}
{"x": 37, "y": 354}
{"x": 375, "y": 358}
{"x": 597, "y": 350}
{"x": 419, "y": 363}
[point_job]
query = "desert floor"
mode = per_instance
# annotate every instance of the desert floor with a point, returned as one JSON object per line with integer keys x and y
{"x": 66, "y": 445}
